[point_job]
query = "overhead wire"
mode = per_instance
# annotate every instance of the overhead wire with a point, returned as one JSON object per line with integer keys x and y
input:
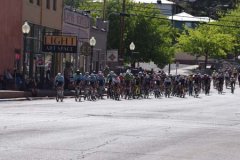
{"x": 163, "y": 18}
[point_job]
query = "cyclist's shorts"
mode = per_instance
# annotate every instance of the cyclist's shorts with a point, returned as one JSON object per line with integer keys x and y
{"x": 59, "y": 84}
{"x": 78, "y": 82}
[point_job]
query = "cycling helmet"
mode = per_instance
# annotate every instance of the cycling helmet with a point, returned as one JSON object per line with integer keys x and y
{"x": 78, "y": 72}
{"x": 111, "y": 72}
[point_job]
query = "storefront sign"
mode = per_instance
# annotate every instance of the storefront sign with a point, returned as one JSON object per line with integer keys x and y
{"x": 59, "y": 44}
{"x": 112, "y": 56}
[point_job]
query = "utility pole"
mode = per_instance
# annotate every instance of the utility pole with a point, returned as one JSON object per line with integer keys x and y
{"x": 169, "y": 64}
{"x": 104, "y": 10}
{"x": 122, "y": 28}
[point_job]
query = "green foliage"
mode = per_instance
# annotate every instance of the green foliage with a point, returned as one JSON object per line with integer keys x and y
{"x": 206, "y": 41}
{"x": 212, "y": 8}
{"x": 73, "y": 3}
{"x": 146, "y": 27}
{"x": 230, "y": 25}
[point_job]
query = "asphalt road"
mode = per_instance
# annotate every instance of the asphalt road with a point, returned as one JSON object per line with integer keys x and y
{"x": 205, "y": 128}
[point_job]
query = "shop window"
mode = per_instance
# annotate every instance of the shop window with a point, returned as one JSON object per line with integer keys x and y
{"x": 54, "y": 5}
{"x": 48, "y": 4}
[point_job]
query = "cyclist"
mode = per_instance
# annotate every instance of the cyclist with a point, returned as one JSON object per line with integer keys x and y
{"x": 101, "y": 84}
{"x": 227, "y": 78}
{"x": 232, "y": 83}
{"x": 214, "y": 77}
{"x": 78, "y": 77}
{"x": 138, "y": 84}
{"x": 167, "y": 85}
{"x": 59, "y": 81}
{"x": 127, "y": 84}
{"x": 190, "y": 85}
{"x": 206, "y": 83}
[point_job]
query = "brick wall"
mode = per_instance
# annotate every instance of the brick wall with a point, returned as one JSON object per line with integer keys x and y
{"x": 11, "y": 34}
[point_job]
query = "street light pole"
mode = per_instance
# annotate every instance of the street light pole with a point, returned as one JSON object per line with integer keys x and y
{"x": 92, "y": 44}
{"x": 25, "y": 31}
{"x": 122, "y": 28}
{"x": 24, "y": 56}
{"x": 132, "y": 47}
{"x": 91, "y": 59}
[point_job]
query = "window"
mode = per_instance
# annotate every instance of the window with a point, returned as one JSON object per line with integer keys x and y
{"x": 48, "y": 4}
{"x": 31, "y": 1}
{"x": 38, "y": 2}
{"x": 54, "y": 5}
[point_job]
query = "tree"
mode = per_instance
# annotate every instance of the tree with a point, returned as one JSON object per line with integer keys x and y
{"x": 73, "y": 3}
{"x": 207, "y": 7}
{"x": 144, "y": 25}
{"x": 152, "y": 34}
{"x": 229, "y": 24}
{"x": 206, "y": 41}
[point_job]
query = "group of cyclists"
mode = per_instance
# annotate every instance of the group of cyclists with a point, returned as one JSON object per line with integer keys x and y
{"x": 93, "y": 86}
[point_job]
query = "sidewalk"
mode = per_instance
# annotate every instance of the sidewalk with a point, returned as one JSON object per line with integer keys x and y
{"x": 11, "y": 95}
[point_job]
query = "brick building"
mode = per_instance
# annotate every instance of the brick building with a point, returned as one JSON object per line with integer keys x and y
{"x": 42, "y": 16}
{"x": 82, "y": 25}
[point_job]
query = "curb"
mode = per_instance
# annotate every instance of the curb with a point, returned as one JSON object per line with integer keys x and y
{"x": 13, "y": 99}
{"x": 31, "y": 98}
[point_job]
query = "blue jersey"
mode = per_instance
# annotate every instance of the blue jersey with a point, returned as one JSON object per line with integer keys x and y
{"x": 101, "y": 80}
{"x": 59, "y": 78}
{"x": 93, "y": 78}
{"x": 78, "y": 77}
{"x": 86, "y": 79}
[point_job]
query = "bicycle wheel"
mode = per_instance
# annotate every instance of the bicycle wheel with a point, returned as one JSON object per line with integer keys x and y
{"x": 232, "y": 89}
{"x": 76, "y": 95}
{"x": 57, "y": 98}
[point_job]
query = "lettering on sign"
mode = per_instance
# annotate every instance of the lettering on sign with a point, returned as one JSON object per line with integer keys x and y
{"x": 60, "y": 44}
{"x": 60, "y": 40}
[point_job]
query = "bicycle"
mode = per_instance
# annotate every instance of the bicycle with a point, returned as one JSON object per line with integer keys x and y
{"x": 137, "y": 92}
{"x": 77, "y": 94}
{"x": 59, "y": 95}
{"x": 232, "y": 88}
{"x": 167, "y": 91}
